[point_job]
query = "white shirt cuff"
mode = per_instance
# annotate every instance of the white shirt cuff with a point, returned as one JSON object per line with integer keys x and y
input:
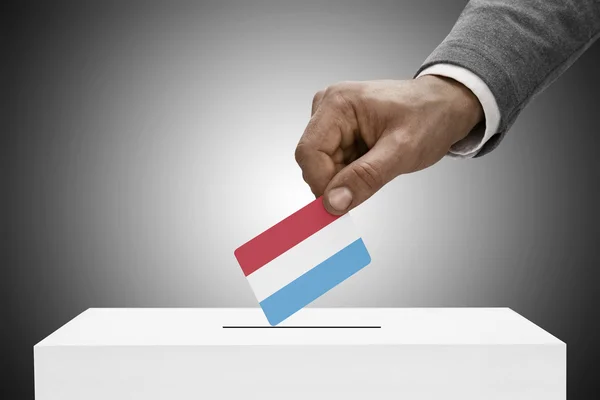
{"x": 470, "y": 146}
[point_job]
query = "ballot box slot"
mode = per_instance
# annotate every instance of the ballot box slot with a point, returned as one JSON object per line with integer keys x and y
{"x": 302, "y": 327}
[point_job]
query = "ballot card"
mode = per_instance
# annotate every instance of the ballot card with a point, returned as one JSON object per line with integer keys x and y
{"x": 301, "y": 258}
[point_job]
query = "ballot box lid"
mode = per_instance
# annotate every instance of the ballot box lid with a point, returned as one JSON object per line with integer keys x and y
{"x": 310, "y": 326}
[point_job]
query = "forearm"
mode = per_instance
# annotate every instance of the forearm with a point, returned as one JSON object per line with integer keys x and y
{"x": 518, "y": 47}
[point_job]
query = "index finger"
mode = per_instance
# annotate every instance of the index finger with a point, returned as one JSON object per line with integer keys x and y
{"x": 316, "y": 152}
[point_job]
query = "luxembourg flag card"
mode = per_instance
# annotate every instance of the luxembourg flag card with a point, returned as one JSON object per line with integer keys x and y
{"x": 301, "y": 258}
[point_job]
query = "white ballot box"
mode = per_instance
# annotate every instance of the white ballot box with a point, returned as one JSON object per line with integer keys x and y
{"x": 336, "y": 353}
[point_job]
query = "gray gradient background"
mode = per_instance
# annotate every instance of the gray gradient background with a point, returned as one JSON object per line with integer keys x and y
{"x": 143, "y": 143}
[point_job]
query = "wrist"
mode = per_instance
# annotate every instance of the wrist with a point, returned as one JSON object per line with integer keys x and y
{"x": 461, "y": 102}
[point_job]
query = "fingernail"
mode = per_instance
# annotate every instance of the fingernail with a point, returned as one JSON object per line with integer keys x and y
{"x": 340, "y": 198}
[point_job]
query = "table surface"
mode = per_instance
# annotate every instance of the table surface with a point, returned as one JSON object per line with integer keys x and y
{"x": 311, "y": 326}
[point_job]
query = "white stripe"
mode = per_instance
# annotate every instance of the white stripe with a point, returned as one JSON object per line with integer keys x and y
{"x": 303, "y": 257}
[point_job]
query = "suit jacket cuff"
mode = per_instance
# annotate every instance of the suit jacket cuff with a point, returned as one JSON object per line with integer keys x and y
{"x": 472, "y": 144}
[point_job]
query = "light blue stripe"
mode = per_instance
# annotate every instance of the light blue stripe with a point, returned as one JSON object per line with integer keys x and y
{"x": 316, "y": 282}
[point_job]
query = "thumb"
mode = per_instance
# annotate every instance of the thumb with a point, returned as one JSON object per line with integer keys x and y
{"x": 358, "y": 181}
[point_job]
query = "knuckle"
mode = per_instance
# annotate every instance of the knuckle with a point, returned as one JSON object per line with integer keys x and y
{"x": 317, "y": 97}
{"x": 300, "y": 153}
{"x": 329, "y": 90}
{"x": 339, "y": 87}
{"x": 338, "y": 100}
{"x": 341, "y": 94}
{"x": 309, "y": 180}
{"x": 369, "y": 175}
{"x": 305, "y": 177}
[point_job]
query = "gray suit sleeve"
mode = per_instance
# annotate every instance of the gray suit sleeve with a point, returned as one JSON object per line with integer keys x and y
{"x": 518, "y": 48}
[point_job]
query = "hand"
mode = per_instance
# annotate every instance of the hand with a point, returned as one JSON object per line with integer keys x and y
{"x": 364, "y": 134}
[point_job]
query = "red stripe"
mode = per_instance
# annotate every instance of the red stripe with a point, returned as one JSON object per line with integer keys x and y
{"x": 281, "y": 237}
